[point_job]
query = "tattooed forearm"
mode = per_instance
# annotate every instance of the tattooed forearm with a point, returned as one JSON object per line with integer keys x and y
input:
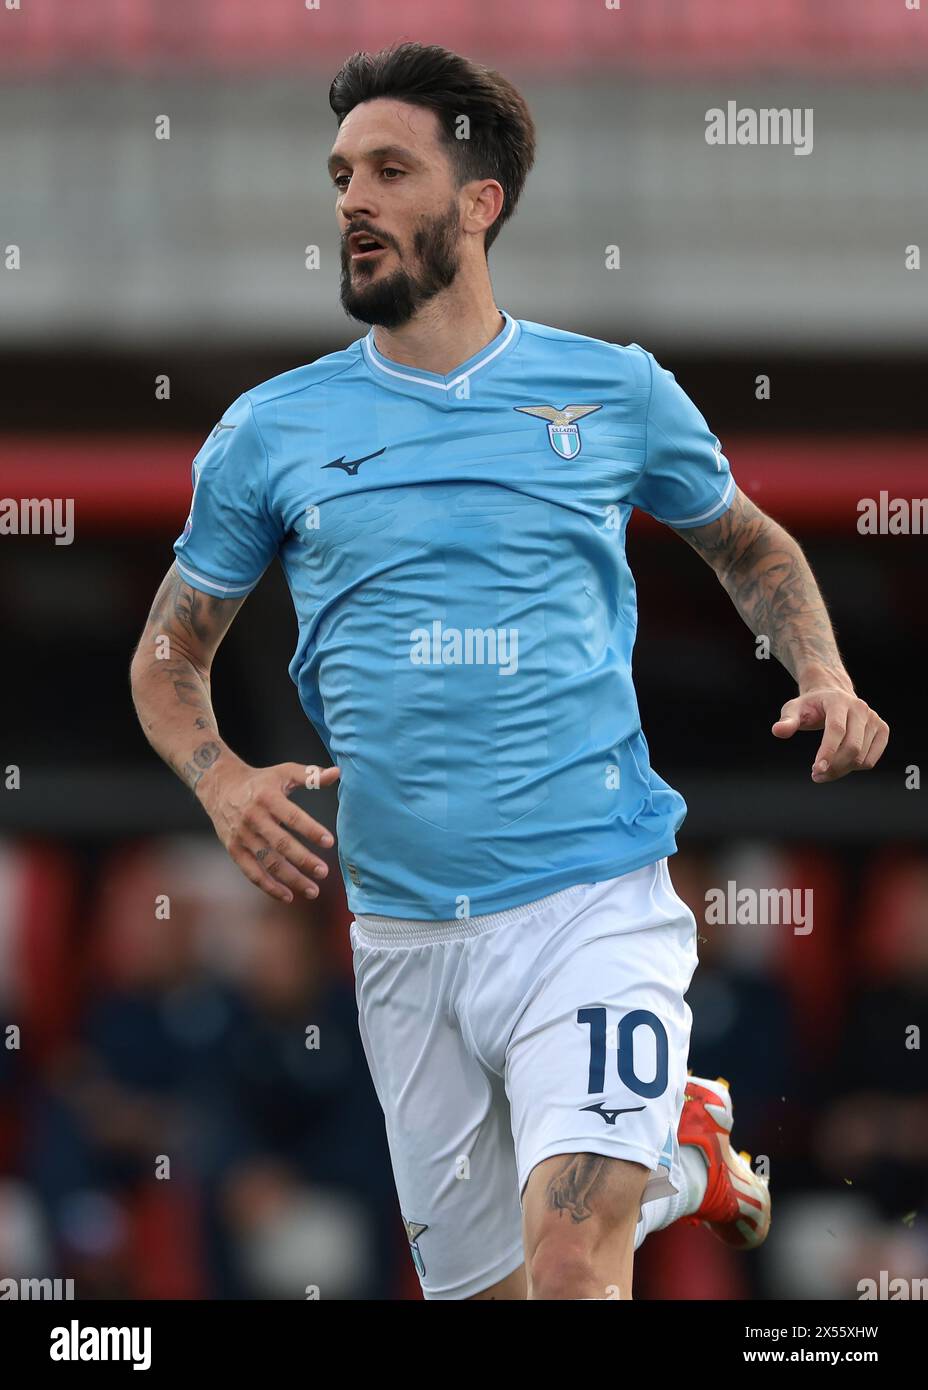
{"x": 775, "y": 592}
{"x": 171, "y": 676}
{"x": 763, "y": 570}
{"x": 571, "y": 1188}
{"x": 190, "y": 686}
{"x": 203, "y": 758}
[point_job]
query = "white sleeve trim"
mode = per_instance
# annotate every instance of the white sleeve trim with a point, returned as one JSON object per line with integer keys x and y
{"x": 212, "y": 586}
{"x": 709, "y": 515}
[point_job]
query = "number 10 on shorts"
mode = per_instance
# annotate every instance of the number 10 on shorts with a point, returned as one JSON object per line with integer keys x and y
{"x": 628, "y": 1025}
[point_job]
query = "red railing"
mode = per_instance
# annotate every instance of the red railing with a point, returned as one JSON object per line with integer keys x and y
{"x": 142, "y": 483}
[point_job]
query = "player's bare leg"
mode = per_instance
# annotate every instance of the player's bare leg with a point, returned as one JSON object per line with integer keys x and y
{"x": 579, "y": 1216}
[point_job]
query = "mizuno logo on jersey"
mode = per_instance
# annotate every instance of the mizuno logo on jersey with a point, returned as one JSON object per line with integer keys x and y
{"x": 351, "y": 466}
{"x": 563, "y": 434}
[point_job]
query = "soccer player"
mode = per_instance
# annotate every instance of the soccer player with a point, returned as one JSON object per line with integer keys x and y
{"x": 449, "y": 498}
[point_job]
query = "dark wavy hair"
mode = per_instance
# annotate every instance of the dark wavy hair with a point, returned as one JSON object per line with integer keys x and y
{"x": 501, "y": 143}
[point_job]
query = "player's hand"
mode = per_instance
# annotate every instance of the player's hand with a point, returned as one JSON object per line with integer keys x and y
{"x": 258, "y": 824}
{"x": 855, "y": 735}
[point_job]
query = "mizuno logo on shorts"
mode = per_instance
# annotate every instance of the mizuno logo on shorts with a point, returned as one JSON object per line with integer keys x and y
{"x": 609, "y": 1115}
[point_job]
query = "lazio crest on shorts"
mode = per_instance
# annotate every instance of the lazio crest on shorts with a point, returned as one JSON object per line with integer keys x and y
{"x": 414, "y": 1230}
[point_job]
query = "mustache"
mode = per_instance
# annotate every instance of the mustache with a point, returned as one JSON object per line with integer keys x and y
{"x": 371, "y": 231}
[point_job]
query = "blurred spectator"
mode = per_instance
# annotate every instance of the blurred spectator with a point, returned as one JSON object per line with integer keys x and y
{"x": 874, "y": 1129}
{"x": 194, "y": 1126}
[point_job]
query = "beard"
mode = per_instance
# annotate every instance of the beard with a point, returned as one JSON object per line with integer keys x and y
{"x": 392, "y": 300}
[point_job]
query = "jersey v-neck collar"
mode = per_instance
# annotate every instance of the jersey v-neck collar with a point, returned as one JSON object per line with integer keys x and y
{"x": 432, "y": 385}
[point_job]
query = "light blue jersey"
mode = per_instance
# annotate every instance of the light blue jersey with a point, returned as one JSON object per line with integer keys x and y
{"x": 455, "y": 549}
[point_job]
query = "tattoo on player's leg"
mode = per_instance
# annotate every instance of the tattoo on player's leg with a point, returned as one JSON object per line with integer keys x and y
{"x": 570, "y": 1189}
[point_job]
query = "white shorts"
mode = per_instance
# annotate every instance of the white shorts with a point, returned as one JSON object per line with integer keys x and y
{"x": 495, "y": 1042}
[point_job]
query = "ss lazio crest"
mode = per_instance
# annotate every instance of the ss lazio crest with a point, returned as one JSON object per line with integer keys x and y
{"x": 414, "y": 1229}
{"x": 563, "y": 434}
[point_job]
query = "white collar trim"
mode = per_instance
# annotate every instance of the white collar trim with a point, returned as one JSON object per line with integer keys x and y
{"x": 378, "y": 361}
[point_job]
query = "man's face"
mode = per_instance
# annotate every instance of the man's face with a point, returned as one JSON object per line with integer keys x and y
{"x": 395, "y": 189}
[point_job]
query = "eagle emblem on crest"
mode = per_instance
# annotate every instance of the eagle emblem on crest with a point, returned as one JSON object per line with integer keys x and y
{"x": 563, "y": 434}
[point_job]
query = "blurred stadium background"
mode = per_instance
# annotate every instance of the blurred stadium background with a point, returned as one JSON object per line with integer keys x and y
{"x": 185, "y": 258}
